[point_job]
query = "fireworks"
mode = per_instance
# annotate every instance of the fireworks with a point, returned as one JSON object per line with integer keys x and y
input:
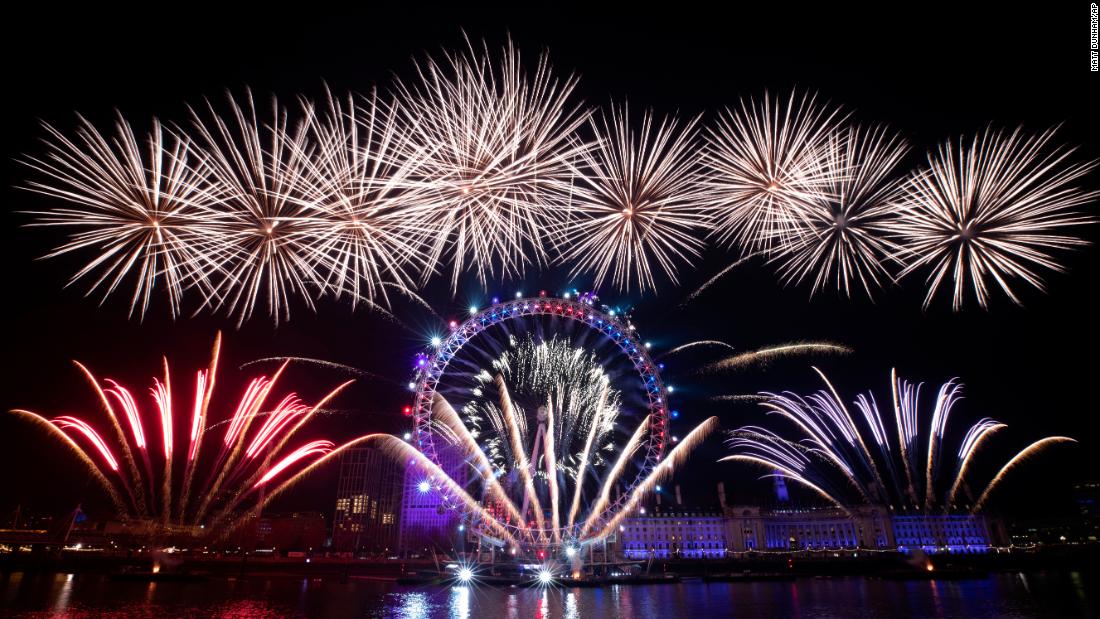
{"x": 844, "y": 238}
{"x": 572, "y": 436}
{"x": 993, "y": 210}
{"x": 497, "y": 148}
{"x": 638, "y": 204}
{"x": 769, "y": 163}
{"x": 256, "y": 169}
{"x": 239, "y": 465}
{"x": 835, "y": 453}
{"x": 764, "y": 355}
{"x": 557, "y": 448}
{"x": 566, "y": 382}
{"x": 356, "y": 191}
{"x": 133, "y": 205}
{"x": 479, "y": 163}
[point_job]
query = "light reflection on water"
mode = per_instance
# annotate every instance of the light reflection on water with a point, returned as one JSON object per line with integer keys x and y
{"x": 89, "y": 595}
{"x": 460, "y": 602}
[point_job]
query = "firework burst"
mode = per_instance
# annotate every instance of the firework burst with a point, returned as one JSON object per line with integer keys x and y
{"x": 835, "y": 453}
{"x": 844, "y": 239}
{"x": 355, "y": 192}
{"x": 768, "y": 163}
{"x": 262, "y": 229}
{"x": 638, "y": 204}
{"x": 497, "y": 146}
{"x": 133, "y": 203}
{"x": 481, "y": 164}
{"x": 993, "y": 209}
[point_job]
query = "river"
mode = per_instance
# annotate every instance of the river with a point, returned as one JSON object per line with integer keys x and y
{"x": 1016, "y": 594}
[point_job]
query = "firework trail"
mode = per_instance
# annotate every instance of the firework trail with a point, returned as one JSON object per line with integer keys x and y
{"x": 120, "y": 437}
{"x": 638, "y": 204}
{"x": 419, "y": 300}
{"x": 675, "y": 457}
{"x": 993, "y": 208}
{"x": 830, "y": 444}
{"x": 625, "y": 456}
{"x": 973, "y": 439}
{"x": 707, "y": 284}
{"x": 740, "y": 397}
{"x": 597, "y": 423}
{"x": 693, "y": 345}
{"x": 455, "y": 429}
{"x": 55, "y": 429}
{"x": 339, "y": 367}
{"x": 765, "y": 355}
{"x": 1024, "y": 454}
{"x": 763, "y": 447}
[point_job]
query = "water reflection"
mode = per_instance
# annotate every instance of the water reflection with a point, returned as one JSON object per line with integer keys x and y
{"x": 91, "y": 595}
{"x": 413, "y": 605}
{"x": 460, "y": 602}
{"x": 64, "y": 594}
{"x": 571, "y": 611}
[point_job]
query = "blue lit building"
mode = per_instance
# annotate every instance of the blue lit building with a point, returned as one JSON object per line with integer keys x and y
{"x": 675, "y": 532}
{"x": 426, "y": 523}
{"x": 937, "y": 533}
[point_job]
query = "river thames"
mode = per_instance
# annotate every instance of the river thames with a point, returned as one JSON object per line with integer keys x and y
{"x": 1015, "y": 594}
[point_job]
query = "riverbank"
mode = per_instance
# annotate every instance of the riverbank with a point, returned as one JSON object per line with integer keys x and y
{"x": 770, "y": 565}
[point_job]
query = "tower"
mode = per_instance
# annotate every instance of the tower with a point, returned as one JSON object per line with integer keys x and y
{"x": 780, "y": 487}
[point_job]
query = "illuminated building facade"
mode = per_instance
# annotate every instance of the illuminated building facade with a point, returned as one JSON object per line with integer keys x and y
{"x": 368, "y": 499}
{"x": 755, "y": 528}
{"x": 675, "y": 532}
{"x": 935, "y": 533}
{"x": 427, "y": 524}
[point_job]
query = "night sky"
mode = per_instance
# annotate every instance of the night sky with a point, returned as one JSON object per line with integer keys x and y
{"x": 930, "y": 72}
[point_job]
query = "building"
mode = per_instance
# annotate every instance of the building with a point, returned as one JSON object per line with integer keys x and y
{"x": 426, "y": 523}
{"x": 294, "y": 532}
{"x": 1087, "y": 496}
{"x": 368, "y": 501}
{"x": 950, "y": 533}
{"x": 789, "y": 528}
{"x": 678, "y": 532}
{"x": 675, "y": 532}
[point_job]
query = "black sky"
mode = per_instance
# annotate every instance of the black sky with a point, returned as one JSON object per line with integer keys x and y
{"x": 929, "y": 71}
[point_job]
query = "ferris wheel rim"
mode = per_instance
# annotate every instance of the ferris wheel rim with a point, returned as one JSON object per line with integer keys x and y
{"x": 432, "y": 366}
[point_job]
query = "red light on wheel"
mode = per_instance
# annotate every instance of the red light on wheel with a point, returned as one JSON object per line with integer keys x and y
{"x": 408, "y": 411}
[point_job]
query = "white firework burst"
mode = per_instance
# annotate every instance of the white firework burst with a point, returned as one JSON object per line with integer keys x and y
{"x": 261, "y": 223}
{"x": 769, "y": 162}
{"x": 992, "y": 208}
{"x": 132, "y": 203}
{"x": 637, "y": 205}
{"x": 355, "y": 192}
{"x": 845, "y": 238}
{"x": 496, "y": 144}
